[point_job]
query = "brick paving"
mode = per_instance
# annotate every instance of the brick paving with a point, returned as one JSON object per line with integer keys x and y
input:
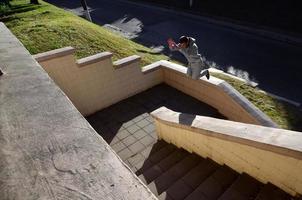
{"x": 128, "y": 127}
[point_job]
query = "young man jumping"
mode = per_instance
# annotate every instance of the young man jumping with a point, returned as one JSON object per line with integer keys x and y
{"x": 196, "y": 65}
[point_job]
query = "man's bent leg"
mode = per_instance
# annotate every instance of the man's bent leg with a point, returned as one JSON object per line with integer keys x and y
{"x": 196, "y": 69}
{"x": 189, "y": 71}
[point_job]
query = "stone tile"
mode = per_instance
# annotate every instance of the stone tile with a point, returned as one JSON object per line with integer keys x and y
{"x": 150, "y": 128}
{"x": 125, "y": 154}
{"x": 154, "y": 135}
{"x": 140, "y": 134}
{"x": 129, "y": 140}
{"x": 128, "y": 123}
{"x": 145, "y": 115}
{"x": 133, "y": 128}
{"x": 114, "y": 140}
{"x": 143, "y": 123}
{"x": 147, "y": 140}
{"x": 150, "y": 119}
{"x": 118, "y": 147}
{"x": 138, "y": 118}
{"x": 147, "y": 151}
{"x": 136, "y": 159}
{"x": 122, "y": 134}
{"x": 142, "y": 166}
{"x": 136, "y": 147}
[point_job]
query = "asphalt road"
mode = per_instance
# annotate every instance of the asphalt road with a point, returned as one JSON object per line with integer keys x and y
{"x": 274, "y": 65}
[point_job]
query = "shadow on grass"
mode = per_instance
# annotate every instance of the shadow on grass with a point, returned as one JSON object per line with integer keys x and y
{"x": 293, "y": 115}
{"x": 15, "y": 9}
{"x": 149, "y": 52}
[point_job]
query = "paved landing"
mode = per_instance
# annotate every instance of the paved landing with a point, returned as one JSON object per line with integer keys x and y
{"x": 172, "y": 173}
{"x": 128, "y": 127}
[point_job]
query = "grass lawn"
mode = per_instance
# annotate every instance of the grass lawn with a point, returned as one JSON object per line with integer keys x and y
{"x": 284, "y": 114}
{"x": 45, "y": 27}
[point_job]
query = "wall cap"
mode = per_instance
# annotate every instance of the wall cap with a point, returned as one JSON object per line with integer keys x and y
{"x": 257, "y": 114}
{"x": 54, "y": 54}
{"x": 46, "y": 142}
{"x": 280, "y": 141}
{"x": 94, "y": 59}
{"x": 126, "y": 61}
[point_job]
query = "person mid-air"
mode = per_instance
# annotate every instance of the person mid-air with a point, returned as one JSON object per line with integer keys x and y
{"x": 196, "y": 64}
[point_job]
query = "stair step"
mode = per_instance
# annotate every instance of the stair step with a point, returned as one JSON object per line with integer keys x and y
{"x": 186, "y": 185}
{"x": 161, "y": 183}
{"x": 164, "y": 196}
{"x": 178, "y": 191}
{"x": 155, "y": 171}
{"x": 271, "y": 192}
{"x": 154, "y": 158}
{"x": 158, "y": 146}
{"x": 244, "y": 188}
{"x": 198, "y": 174}
{"x": 214, "y": 185}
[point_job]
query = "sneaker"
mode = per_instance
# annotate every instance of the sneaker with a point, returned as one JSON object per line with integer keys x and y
{"x": 208, "y": 75}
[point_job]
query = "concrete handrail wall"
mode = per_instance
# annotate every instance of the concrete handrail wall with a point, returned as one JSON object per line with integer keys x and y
{"x": 47, "y": 148}
{"x": 268, "y": 154}
{"x": 215, "y": 92}
{"x": 95, "y": 82}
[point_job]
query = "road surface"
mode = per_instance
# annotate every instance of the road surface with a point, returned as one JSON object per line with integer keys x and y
{"x": 274, "y": 65}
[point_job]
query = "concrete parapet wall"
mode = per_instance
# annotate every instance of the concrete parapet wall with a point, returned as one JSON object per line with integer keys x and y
{"x": 47, "y": 149}
{"x": 216, "y": 93}
{"x": 267, "y": 154}
{"x": 95, "y": 82}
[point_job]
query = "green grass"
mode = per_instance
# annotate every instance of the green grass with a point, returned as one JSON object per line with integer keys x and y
{"x": 45, "y": 27}
{"x": 284, "y": 114}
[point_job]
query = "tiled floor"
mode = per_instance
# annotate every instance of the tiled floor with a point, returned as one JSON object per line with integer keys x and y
{"x": 128, "y": 127}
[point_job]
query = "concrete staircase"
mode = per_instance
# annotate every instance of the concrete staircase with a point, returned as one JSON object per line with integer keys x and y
{"x": 174, "y": 174}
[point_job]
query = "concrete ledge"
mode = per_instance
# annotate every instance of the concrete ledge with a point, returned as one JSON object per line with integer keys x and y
{"x": 94, "y": 59}
{"x": 217, "y": 86}
{"x": 280, "y": 141}
{"x": 227, "y": 89}
{"x": 126, "y": 61}
{"x": 152, "y": 67}
{"x": 247, "y": 105}
{"x": 47, "y": 148}
{"x": 183, "y": 70}
{"x": 54, "y": 54}
{"x": 267, "y": 154}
